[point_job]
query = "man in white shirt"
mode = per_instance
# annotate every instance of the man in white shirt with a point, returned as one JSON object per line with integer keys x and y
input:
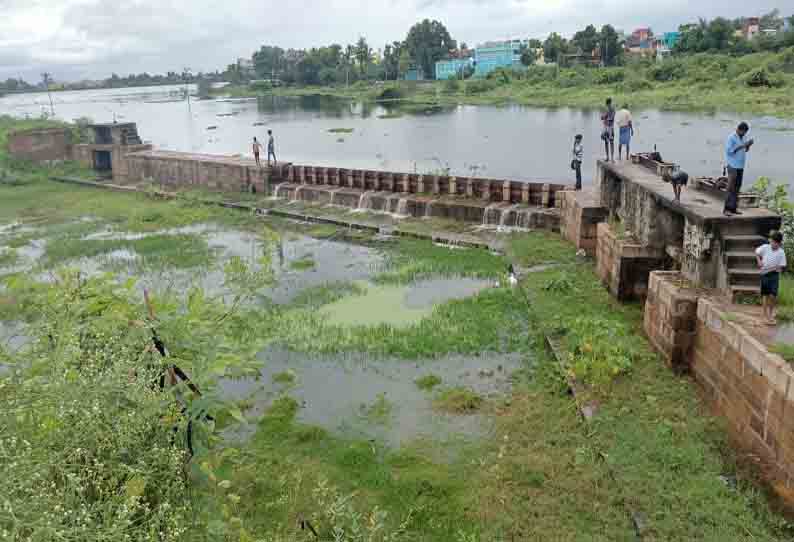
{"x": 626, "y": 131}
{"x": 771, "y": 261}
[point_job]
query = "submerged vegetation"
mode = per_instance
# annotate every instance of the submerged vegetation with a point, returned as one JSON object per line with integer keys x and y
{"x": 92, "y": 449}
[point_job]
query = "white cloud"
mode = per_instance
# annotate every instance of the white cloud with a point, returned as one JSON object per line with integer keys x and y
{"x": 92, "y": 38}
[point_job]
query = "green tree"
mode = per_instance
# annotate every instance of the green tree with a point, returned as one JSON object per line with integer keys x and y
{"x": 719, "y": 34}
{"x": 268, "y": 60}
{"x": 586, "y": 40}
{"x": 391, "y": 59}
{"x": 528, "y": 56}
{"x": 363, "y": 54}
{"x": 405, "y": 61}
{"x": 427, "y": 43}
{"x": 535, "y": 44}
{"x": 553, "y": 47}
{"x": 609, "y": 41}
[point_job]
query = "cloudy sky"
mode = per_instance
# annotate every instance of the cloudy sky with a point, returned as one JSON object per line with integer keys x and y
{"x": 77, "y": 39}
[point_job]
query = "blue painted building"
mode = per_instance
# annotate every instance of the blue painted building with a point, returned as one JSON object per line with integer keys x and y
{"x": 498, "y": 54}
{"x": 671, "y": 38}
{"x": 451, "y": 69}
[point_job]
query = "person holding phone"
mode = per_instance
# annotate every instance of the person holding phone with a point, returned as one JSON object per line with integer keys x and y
{"x": 736, "y": 149}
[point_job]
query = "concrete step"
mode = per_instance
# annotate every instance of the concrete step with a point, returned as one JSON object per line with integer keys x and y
{"x": 742, "y": 243}
{"x": 740, "y": 255}
{"x": 746, "y": 290}
{"x": 744, "y": 271}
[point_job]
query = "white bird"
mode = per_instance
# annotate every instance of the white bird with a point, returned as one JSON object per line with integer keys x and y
{"x": 512, "y": 280}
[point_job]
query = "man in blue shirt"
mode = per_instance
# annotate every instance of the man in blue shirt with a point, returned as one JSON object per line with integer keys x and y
{"x": 736, "y": 149}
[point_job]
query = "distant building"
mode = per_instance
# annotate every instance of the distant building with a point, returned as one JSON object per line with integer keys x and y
{"x": 492, "y": 55}
{"x": 452, "y": 68}
{"x": 414, "y": 73}
{"x": 751, "y": 28}
{"x": 671, "y": 39}
{"x": 641, "y": 42}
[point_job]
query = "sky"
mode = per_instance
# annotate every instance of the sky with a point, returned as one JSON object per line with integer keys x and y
{"x": 90, "y": 39}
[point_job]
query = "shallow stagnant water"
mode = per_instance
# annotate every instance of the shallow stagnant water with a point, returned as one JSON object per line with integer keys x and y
{"x": 338, "y": 393}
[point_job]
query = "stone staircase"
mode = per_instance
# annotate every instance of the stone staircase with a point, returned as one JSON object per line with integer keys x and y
{"x": 132, "y": 137}
{"x": 739, "y": 255}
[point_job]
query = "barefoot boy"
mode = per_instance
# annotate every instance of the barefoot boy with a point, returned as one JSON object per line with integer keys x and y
{"x": 771, "y": 261}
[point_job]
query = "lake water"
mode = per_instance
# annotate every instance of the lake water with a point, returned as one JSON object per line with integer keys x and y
{"x": 514, "y": 142}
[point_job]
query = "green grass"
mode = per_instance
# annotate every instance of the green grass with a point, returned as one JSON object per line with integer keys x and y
{"x": 379, "y": 412}
{"x": 538, "y": 247}
{"x": 785, "y": 312}
{"x": 285, "y": 377}
{"x": 458, "y": 401}
{"x": 8, "y": 257}
{"x": 412, "y": 259}
{"x": 304, "y": 264}
{"x": 428, "y": 382}
{"x": 157, "y": 251}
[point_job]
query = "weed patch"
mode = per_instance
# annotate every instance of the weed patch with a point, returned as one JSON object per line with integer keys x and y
{"x": 428, "y": 382}
{"x": 458, "y": 401}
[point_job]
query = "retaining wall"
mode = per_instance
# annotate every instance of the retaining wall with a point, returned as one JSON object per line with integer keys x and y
{"x": 177, "y": 169}
{"x": 41, "y": 144}
{"x": 580, "y": 214}
{"x": 623, "y": 265}
{"x": 746, "y": 384}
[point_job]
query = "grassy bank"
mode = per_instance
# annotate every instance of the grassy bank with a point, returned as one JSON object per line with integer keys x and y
{"x": 758, "y": 84}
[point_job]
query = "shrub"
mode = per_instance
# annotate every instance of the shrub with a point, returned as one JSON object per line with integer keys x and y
{"x": 669, "y": 70}
{"x": 540, "y": 74}
{"x": 635, "y": 84}
{"x": 571, "y": 79}
{"x": 609, "y": 76}
{"x": 391, "y": 93}
{"x": 775, "y": 198}
{"x": 452, "y": 86}
{"x": 480, "y": 86}
{"x": 762, "y": 78}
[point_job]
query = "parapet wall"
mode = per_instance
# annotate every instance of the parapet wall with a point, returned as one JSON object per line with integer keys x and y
{"x": 180, "y": 169}
{"x": 580, "y": 214}
{"x": 751, "y": 388}
{"x": 41, "y": 144}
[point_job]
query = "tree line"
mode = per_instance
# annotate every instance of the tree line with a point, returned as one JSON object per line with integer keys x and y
{"x": 720, "y": 35}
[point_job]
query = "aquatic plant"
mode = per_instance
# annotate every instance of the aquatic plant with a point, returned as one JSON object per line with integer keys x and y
{"x": 428, "y": 382}
{"x": 458, "y": 401}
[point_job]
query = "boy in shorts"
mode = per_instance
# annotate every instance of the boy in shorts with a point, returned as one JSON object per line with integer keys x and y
{"x": 771, "y": 261}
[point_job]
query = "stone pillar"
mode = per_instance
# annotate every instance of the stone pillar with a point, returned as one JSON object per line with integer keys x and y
{"x": 525, "y": 193}
{"x": 436, "y": 187}
{"x": 290, "y": 174}
{"x": 453, "y": 186}
{"x": 376, "y": 180}
{"x": 546, "y": 197}
{"x": 389, "y": 182}
{"x": 470, "y": 187}
{"x": 350, "y": 178}
{"x": 406, "y": 183}
{"x": 420, "y": 184}
{"x": 337, "y": 179}
{"x": 506, "y": 192}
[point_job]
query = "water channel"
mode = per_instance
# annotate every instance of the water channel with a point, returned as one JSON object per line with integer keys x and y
{"x": 511, "y": 141}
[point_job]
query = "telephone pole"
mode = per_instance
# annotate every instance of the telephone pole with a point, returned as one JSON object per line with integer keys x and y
{"x": 46, "y": 77}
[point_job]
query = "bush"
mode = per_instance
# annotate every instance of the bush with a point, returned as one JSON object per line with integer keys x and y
{"x": 572, "y": 78}
{"x": 540, "y": 74}
{"x": 504, "y": 76}
{"x": 635, "y": 84}
{"x": 609, "y": 76}
{"x": 762, "y": 78}
{"x": 668, "y": 70}
{"x": 452, "y": 86}
{"x": 391, "y": 93}
{"x": 775, "y": 198}
{"x": 480, "y": 86}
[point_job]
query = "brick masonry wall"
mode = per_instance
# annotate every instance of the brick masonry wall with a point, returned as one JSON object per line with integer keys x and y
{"x": 670, "y": 315}
{"x": 580, "y": 214}
{"x": 40, "y": 145}
{"x": 625, "y": 267}
{"x": 750, "y": 387}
